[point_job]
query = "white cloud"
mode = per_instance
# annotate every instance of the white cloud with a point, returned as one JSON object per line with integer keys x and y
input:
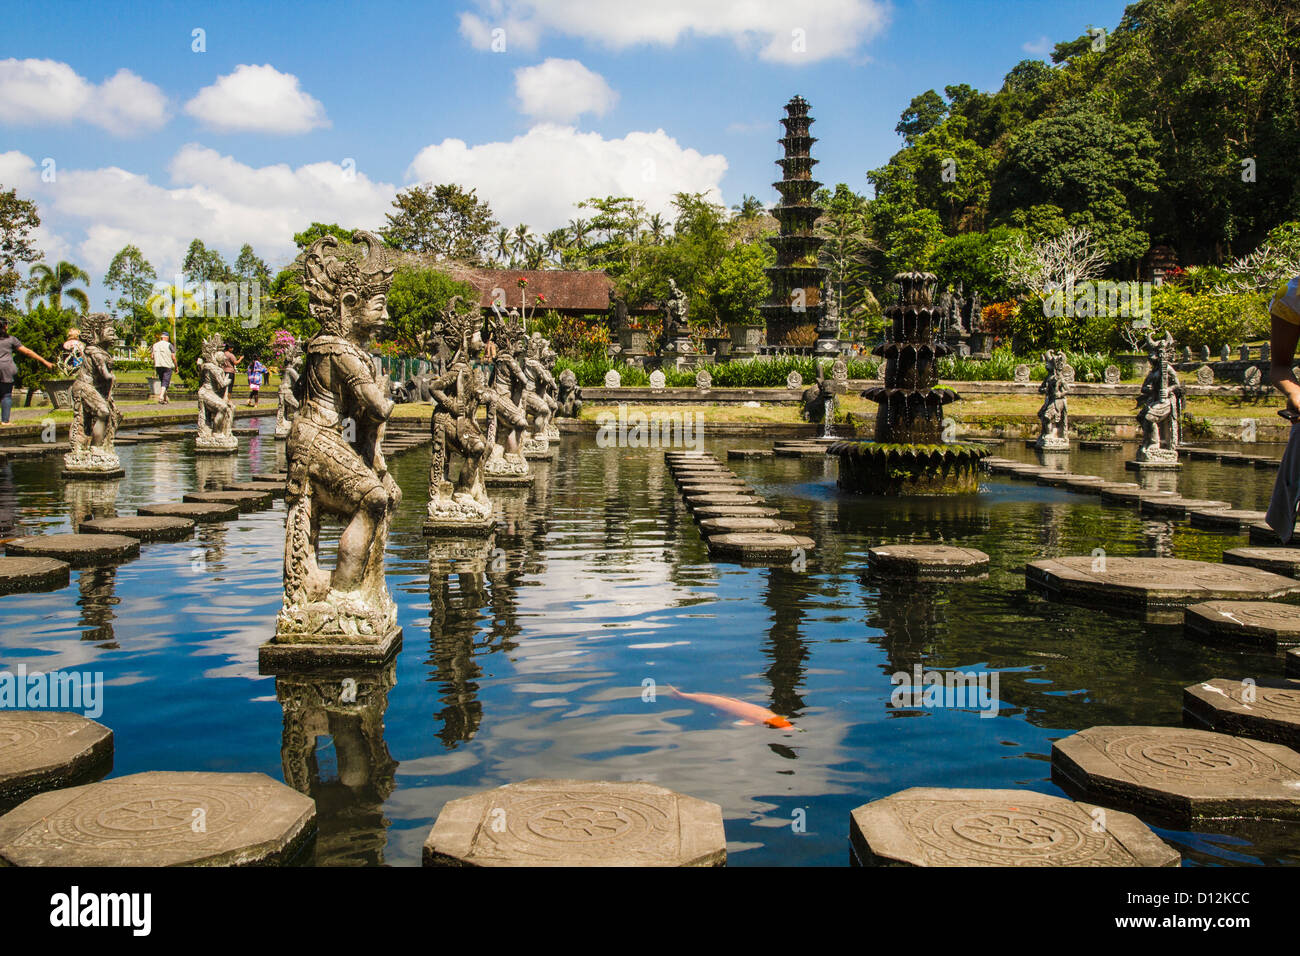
{"x": 92, "y": 213}
{"x": 781, "y": 31}
{"x": 562, "y": 90}
{"x": 257, "y": 99}
{"x": 537, "y": 177}
{"x": 39, "y": 92}
{"x": 1040, "y": 47}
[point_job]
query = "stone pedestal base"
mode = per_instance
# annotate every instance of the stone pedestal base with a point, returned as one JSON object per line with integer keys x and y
{"x": 508, "y": 480}
{"x": 94, "y": 466}
{"x": 1136, "y": 465}
{"x": 540, "y": 452}
{"x": 277, "y": 656}
{"x": 449, "y": 527}
{"x": 1052, "y": 443}
{"x": 228, "y": 447}
{"x": 78, "y": 474}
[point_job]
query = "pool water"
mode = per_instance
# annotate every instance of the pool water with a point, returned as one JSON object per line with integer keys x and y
{"x": 548, "y": 650}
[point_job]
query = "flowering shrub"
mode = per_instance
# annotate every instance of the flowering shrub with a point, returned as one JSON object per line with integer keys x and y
{"x": 282, "y": 343}
{"x": 997, "y": 317}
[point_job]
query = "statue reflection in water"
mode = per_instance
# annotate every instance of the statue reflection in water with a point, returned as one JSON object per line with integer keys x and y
{"x": 333, "y": 750}
{"x": 458, "y": 572}
{"x": 97, "y": 598}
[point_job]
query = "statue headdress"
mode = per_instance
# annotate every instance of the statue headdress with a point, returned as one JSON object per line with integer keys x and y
{"x": 211, "y": 346}
{"x": 95, "y": 324}
{"x": 330, "y": 273}
{"x": 456, "y": 329}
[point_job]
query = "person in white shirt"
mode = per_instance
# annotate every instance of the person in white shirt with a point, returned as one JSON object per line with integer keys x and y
{"x": 164, "y": 363}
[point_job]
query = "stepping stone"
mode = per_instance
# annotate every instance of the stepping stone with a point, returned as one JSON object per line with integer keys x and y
{"x": 1086, "y": 486}
{"x": 1091, "y": 443}
{"x": 276, "y": 489}
{"x": 139, "y": 437}
{"x": 244, "y": 500}
{"x": 1182, "y": 774}
{"x": 198, "y": 512}
{"x": 733, "y": 511}
{"x": 577, "y": 823}
{"x": 808, "y": 451}
{"x": 118, "y": 440}
{"x": 749, "y": 453}
{"x": 246, "y": 431}
{"x": 701, "y": 477}
{"x": 1293, "y": 662}
{"x": 148, "y": 819}
{"x": 1261, "y": 533}
{"x": 78, "y": 550}
{"x": 279, "y": 476}
{"x": 1265, "y": 710}
{"x": 716, "y": 488}
{"x": 696, "y": 501}
{"x": 731, "y": 525}
{"x": 1058, "y": 479}
{"x": 1178, "y": 506}
{"x": 1230, "y": 519}
{"x": 143, "y": 527}
{"x": 928, "y": 562}
{"x": 178, "y": 432}
{"x": 44, "y": 750}
{"x": 1203, "y": 454}
{"x": 761, "y": 546}
{"x": 1115, "y": 490}
{"x": 1264, "y": 623}
{"x": 1284, "y": 561}
{"x": 936, "y": 826}
{"x": 32, "y": 574}
{"x": 1152, "y": 583}
{"x": 1233, "y": 458}
{"x": 22, "y": 451}
{"x": 1267, "y": 464}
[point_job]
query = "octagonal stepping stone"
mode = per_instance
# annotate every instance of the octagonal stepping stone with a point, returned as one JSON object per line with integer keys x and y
{"x": 700, "y": 477}
{"x": 760, "y": 546}
{"x": 22, "y": 451}
{"x": 1152, "y": 583}
{"x": 276, "y": 489}
{"x": 733, "y": 511}
{"x": 715, "y": 488}
{"x": 1262, "y": 623}
{"x": 1178, "y": 506}
{"x": 577, "y": 823}
{"x": 44, "y": 749}
{"x": 1201, "y": 454}
{"x": 1226, "y": 519}
{"x": 1059, "y": 479}
{"x": 732, "y": 525}
{"x": 1179, "y": 773}
{"x": 148, "y": 819}
{"x": 1284, "y": 561}
{"x": 697, "y": 501}
{"x": 78, "y": 550}
{"x": 928, "y": 562}
{"x": 280, "y": 476}
{"x": 936, "y": 826}
{"x": 679, "y": 456}
{"x": 145, "y": 436}
{"x": 1262, "y": 710}
{"x": 749, "y": 453}
{"x": 803, "y": 451}
{"x": 23, "y": 574}
{"x": 1132, "y": 494}
{"x": 1085, "y": 485}
{"x": 246, "y": 431}
{"x": 1261, "y": 533}
{"x": 243, "y": 500}
{"x": 178, "y": 432}
{"x": 201, "y": 513}
{"x": 143, "y": 527}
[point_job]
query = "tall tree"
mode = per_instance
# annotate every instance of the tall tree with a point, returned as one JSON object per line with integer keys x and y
{"x": 132, "y": 276}
{"x": 52, "y": 284}
{"x": 202, "y": 264}
{"x": 18, "y": 217}
{"x": 319, "y": 229}
{"x": 443, "y": 220}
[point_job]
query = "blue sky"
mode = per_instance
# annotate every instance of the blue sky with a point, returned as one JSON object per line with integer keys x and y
{"x": 153, "y": 160}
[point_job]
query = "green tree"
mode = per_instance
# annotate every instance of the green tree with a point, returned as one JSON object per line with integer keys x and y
{"x": 42, "y": 329}
{"x": 18, "y": 217}
{"x": 416, "y": 301}
{"x": 923, "y": 114}
{"x": 52, "y": 284}
{"x": 443, "y": 220}
{"x": 202, "y": 264}
{"x": 978, "y": 261}
{"x": 848, "y": 251}
{"x": 318, "y": 230}
{"x": 132, "y": 276}
{"x": 738, "y": 286}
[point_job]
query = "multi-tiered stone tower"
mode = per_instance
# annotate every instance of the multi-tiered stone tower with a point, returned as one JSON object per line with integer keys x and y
{"x": 798, "y": 282}
{"x": 908, "y": 454}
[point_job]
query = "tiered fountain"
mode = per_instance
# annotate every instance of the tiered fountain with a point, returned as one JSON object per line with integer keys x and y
{"x": 908, "y": 455}
{"x": 797, "y": 280}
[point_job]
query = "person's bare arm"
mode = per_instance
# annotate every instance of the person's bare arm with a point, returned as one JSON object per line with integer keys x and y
{"x": 1282, "y": 343}
{"x": 24, "y": 350}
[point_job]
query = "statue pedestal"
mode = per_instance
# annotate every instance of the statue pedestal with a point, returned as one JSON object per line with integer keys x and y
{"x": 278, "y": 656}
{"x": 1162, "y": 464}
{"x": 1050, "y": 443}
{"x": 216, "y": 445}
{"x": 91, "y": 467}
{"x": 450, "y": 527}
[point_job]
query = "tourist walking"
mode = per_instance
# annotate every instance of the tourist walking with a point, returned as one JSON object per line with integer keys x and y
{"x": 1284, "y": 310}
{"x": 9, "y": 345}
{"x": 256, "y": 374}
{"x": 229, "y": 362}
{"x": 164, "y": 364}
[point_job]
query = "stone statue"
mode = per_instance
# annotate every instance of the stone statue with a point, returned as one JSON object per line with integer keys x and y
{"x": 676, "y": 310}
{"x": 569, "y": 398}
{"x": 819, "y": 399}
{"x": 288, "y": 399}
{"x": 94, "y": 413}
{"x": 506, "y": 462}
{"x": 1160, "y": 408}
{"x": 536, "y": 382}
{"x": 336, "y": 461}
{"x": 1054, "y": 416}
{"x": 551, "y": 390}
{"x": 216, "y": 412}
{"x": 458, "y": 498}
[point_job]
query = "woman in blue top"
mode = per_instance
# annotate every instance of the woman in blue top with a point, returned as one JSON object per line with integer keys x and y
{"x": 256, "y": 374}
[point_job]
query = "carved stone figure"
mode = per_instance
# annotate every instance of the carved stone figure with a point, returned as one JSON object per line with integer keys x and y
{"x": 570, "y": 395}
{"x": 216, "y": 412}
{"x": 1160, "y": 408}
{"x": 94, "y": 413}
{"x": 458, "y": 498}
{"x": 818, "y": 400}
{"x": 506, "y": 462}
{"x": 551, "y": 390}
{"x": 537, "y": 380}
{"x": 288, "y": 399}
{"x": 1054, "y": 417}
{"x": 676, "y": 310}
{"x": 336, "y": 462}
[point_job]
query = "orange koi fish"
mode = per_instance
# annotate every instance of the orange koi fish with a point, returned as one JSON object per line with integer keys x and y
{"x": 749, "y": 714}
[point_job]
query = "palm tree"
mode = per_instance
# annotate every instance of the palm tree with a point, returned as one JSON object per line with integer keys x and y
{"x": 502, "y": 240}
{"x": 52, "y": 284}
{"x": 749, "y": 208}
{"x": 523, "y": 240}
{"x": 556, "y": 243}
{"x": 657, "y": 229}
